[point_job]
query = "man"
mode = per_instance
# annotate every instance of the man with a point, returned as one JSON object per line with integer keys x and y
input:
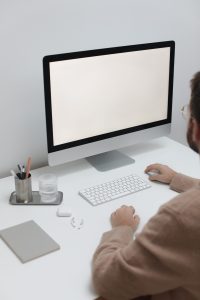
{"x": 163, "y": 262}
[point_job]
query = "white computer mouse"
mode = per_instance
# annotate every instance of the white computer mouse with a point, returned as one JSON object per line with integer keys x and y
{"x": 153, "y": 172}
{"x": 64, "y": 211}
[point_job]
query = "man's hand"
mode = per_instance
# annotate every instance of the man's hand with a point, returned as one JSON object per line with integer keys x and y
{"x": 162, "y": 173}
{"x": 125, "y": 215}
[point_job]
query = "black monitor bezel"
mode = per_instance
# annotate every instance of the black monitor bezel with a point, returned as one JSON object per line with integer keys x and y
{"x": 106, "y": 51}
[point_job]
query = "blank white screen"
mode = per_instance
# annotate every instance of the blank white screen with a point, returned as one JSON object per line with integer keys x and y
{"x": 96, "y": 95}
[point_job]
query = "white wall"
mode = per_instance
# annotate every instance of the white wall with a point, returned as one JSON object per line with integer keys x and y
{"x": 31, "y": 29}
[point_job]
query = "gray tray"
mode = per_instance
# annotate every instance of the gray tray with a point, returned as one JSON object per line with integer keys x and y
{"x": 36, "y": 199}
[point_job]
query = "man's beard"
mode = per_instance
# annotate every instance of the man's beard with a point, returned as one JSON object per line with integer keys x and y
{"x": 191, "y": 143}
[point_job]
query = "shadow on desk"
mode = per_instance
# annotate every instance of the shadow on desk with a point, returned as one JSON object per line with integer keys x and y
{"x": 71, "y": 167}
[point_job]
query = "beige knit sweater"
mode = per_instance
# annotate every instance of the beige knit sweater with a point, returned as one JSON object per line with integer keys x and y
{"x": 164, "y": 259}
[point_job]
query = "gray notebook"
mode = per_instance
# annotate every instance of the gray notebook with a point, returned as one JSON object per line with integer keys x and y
{"x": 28, "y": 241}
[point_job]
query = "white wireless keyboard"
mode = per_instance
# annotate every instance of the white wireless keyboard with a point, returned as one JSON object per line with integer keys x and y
{"x": 111, "y": 190}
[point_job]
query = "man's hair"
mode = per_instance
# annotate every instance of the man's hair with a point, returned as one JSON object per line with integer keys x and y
{"x": 195, "y": 97}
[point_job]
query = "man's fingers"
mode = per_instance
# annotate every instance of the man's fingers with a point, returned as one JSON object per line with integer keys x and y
{"x": 136, "y": 221}
{"x": 133, "y": 209}
{"x": 154, "y": 177}
{"x": 158, "y": 177}
{"x": 113, "y": 214}
{"x": 136, "y": 218}
{"x": 128, "y": 207}
{"x": 153, "y": 167}
{"x": 125, "y": 215}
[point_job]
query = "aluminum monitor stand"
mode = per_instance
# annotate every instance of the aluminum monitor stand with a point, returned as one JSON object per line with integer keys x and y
{"x": 109, "y": 160}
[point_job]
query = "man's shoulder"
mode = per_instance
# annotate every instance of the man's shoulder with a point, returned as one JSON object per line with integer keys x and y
{"x": 185, "y": 207}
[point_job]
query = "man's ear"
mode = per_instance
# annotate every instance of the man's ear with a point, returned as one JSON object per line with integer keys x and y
{"x": 195, "y": 131}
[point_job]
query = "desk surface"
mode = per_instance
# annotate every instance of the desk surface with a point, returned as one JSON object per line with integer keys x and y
{"x": 66, "y": 274}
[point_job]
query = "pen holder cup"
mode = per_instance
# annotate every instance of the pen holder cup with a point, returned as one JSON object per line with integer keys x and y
{"x": 23, "y": 189}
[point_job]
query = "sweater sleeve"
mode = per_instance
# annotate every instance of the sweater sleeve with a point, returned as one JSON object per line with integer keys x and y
{"x": 182, "y": 183}
{"x": 153, "y": 263}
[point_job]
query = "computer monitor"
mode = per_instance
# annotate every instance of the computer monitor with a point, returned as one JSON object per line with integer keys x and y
{"x": 105, "y": 99}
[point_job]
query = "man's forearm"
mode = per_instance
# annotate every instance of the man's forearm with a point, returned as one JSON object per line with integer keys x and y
{"x": 104, "y": 259}
{"x": 182, "y": 183}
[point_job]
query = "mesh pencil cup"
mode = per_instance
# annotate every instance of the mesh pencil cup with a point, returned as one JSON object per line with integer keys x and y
{"x": 23, "y": 188}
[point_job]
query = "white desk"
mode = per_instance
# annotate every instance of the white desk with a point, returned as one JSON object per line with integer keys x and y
{"x": 66, "y": 274}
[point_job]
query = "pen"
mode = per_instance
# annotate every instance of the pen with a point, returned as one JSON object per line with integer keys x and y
{"x": 28, "y": 166}
{"x": 13, "y": 173}
{"x": 20, "y": 171}
{"x": 23, "y": 172}
{"x": 20, "y": 168}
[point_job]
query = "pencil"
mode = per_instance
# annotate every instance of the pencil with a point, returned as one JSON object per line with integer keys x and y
{"x": 28, "y": 166}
